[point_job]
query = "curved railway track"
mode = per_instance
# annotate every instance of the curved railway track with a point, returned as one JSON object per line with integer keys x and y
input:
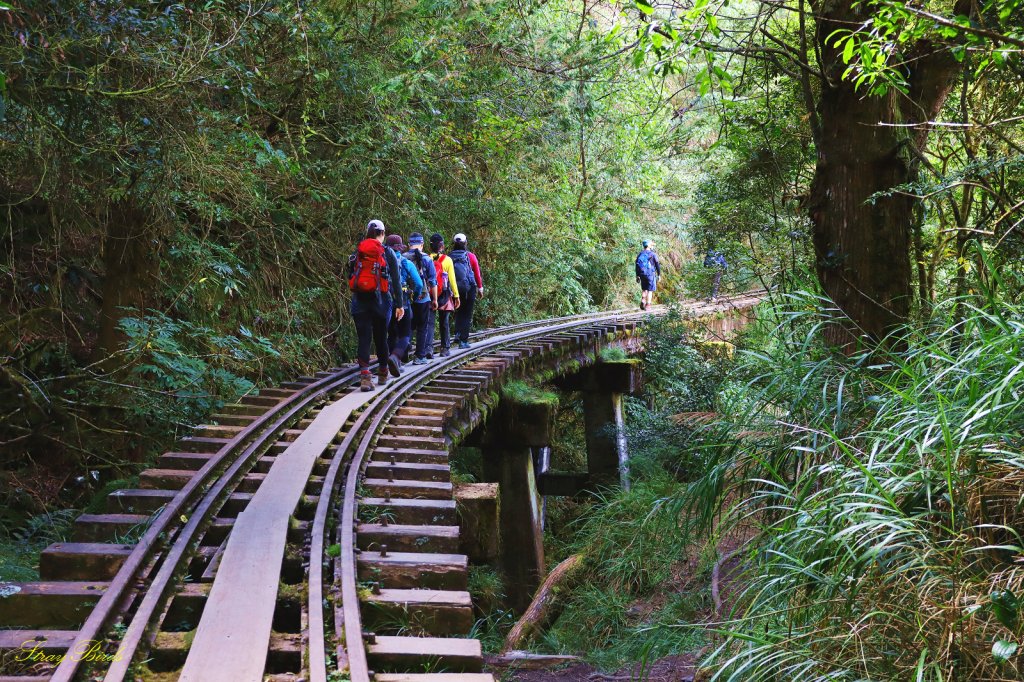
{"x": 345, "y": 563}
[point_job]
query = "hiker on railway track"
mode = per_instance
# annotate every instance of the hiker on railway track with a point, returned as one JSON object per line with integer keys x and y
{"x": 374, "y": 279}
{"x": 471, "y": 284}
{"x": 447, "y": 294}
{"x": 400, "y": 328}
{"x": 648, "y": 271}
{"x": 425, "y": 304}
{"x": 715, "y": 259}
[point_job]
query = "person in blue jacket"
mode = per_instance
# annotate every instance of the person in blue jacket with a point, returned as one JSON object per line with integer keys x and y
{"x": 400, "y": 329}
{"x": 715, "y": 259}
{"x": 648, "y": 271}
{"x": 424, "y": 307}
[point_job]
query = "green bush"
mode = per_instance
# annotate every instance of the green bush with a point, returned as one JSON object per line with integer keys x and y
{"x": 886, "y": 489}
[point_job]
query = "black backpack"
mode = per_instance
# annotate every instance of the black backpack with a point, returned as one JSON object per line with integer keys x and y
{"x": 422, "y": 261}
{"x": 463, "y": 270}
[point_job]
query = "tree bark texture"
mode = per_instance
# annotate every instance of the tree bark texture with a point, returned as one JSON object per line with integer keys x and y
{"x": 128, "y": 265}
{"x": 868, "y": 144}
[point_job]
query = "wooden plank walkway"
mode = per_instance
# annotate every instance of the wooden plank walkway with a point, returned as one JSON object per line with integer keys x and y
{"x": 234, "y": 631}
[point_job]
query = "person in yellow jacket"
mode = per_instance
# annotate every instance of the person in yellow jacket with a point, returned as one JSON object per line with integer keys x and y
{"x": 447, "y": 295}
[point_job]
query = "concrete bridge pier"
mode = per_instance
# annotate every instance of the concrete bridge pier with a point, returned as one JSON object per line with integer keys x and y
{"x": 602, "y": 387}
{"x": 521, "y": 423}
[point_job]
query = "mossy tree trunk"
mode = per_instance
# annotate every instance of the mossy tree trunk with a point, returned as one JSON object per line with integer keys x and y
{"x": 129, "y": 264}
{"x": 867, "y": 145}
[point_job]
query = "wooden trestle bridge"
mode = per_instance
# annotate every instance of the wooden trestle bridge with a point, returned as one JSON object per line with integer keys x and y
{"x": 312, "y": 532}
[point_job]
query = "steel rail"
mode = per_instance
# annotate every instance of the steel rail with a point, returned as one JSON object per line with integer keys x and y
{"x": 111, "y": 603}
{"x": 173, "y": 558}
{"x": 152, "y": 552}
{"x": 379, "y": 410}
{"x": 147, "y": 550}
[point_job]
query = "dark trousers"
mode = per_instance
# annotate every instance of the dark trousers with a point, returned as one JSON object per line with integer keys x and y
{"x": 423, "y": 327}
{"x": 714, "y": 287}
{"x": 371, "y": 317}
{"x": 464, "y": 315}
{"x": 444, "y": 324}
{"x": 400, "y": 335}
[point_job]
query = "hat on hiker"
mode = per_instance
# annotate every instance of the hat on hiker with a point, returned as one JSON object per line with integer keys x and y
{"x": 415, "y": 238}
{"x": 436, "y": 240}
{"x": 395, "y": 242}
{"x": 374, "y": 227}
{"x": 459, "y": 238}
{"x": 648, "y": 243}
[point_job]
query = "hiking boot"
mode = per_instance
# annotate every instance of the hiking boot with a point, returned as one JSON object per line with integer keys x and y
{"x": 463, "y": 345}
{"x": 421, "y": 361}
{"x": 430, "y": 356}
{"x": 382, "y": 378}
{"x": 445, "y": 352}
{"x": 365, "y": 381}
{"x": 395, "y": 365}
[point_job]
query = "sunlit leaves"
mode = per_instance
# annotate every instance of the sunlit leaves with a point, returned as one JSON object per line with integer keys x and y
{"x": 876, "y": 52}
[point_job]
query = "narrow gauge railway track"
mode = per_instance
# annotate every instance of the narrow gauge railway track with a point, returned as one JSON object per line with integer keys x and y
{"x": 393, "y": 448}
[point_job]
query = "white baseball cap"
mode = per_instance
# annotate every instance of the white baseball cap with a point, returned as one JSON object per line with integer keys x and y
{"x": 460, "y": 238}
{"x": 375, "y": 226}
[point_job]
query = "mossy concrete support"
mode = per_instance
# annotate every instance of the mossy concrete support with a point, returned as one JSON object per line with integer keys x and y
{"x": 602, "y": 387}
{"x": 477, "y": 505}
{"x": 522, "y": 421}
{"x": 607, "y": 453}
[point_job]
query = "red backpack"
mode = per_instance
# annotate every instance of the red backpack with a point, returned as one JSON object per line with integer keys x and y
{"x": 367, "y": 268}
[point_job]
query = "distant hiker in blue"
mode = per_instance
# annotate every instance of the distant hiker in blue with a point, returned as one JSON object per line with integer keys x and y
{"x": 715, "y": 259}
{"x": 648, "y": 271}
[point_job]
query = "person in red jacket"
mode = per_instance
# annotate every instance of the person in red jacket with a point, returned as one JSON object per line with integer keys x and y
{"x": 471, "y": 285}
{"x": 373, "y": 304}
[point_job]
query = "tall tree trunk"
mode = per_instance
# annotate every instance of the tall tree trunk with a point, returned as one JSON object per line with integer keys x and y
{"x": 128, "y": 264}
{"x": 863, "y": 244}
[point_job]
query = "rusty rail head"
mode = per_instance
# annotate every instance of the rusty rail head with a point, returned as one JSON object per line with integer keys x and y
{"x": 367, "y": 426}
{"x": 266, "y": 426}
{"x": 113, "y": 599}
{"x": 317, "y": 645}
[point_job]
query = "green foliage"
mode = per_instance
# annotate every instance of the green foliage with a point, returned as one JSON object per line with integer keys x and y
{"x": 875, "y": 52}
{"x": 617, "y": 615}
{"x": 194, "y": 365}
{"x": 623, "y": 633}
{"x": 522, "y": 392}
{"x": 487, "y": 587}
{"x": 680, "y": 379}
{"x": 20, "y": 548}
{"x": 186, "y": 188}
{"x": 885, "y": 488}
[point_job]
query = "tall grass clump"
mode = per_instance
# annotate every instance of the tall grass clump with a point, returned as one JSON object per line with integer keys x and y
{"x": 887, "y": 492}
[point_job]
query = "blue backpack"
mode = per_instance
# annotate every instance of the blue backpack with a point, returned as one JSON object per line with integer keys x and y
{"x": 715, "y": 259}
{"x": 464, "y": 278}
{"x": 644, "y": 266}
